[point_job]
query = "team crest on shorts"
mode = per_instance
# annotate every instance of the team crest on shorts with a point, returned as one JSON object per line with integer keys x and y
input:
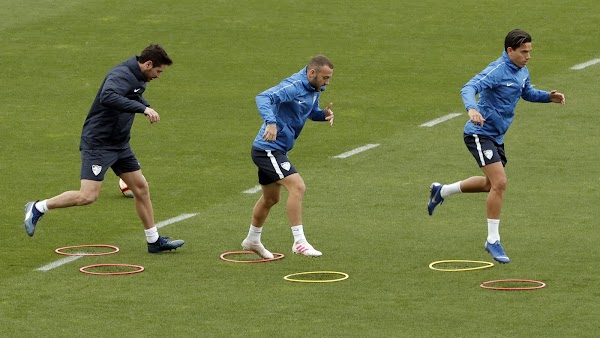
{"x": 488, "y": 153}
{"x": 286, "y": 166}
{"x": 96, "y": 169}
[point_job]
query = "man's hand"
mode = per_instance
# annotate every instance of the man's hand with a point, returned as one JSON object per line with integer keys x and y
{"x": 557, "y": 97}
{"x": 329, "y": 114}
{"x": 270, "y": 133}
{"x": 152, "y": 115}
{"x": 476, "y": 117}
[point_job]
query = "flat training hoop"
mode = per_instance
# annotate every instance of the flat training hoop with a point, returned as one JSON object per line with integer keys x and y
{"x": 537, "y": 284}
{"x": 290, "y": 279}
{"x": 276, "y": 256}
{"x": 60, "y": 252}
{"x": 484, "y": 265}
{"x": 139, "y": 268}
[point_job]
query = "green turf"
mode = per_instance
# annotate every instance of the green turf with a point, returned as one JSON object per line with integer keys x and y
{"x": 398, "y": 64}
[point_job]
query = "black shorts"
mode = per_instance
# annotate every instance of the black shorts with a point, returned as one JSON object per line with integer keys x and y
{"x": 485, "y": 150}
{"x": 273, "y": 165}
{"x": 95, "y": 163}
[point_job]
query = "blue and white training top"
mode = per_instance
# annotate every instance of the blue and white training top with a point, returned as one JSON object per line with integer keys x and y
{"x": 499, "y": 85}
{"x": 288, "y": 104}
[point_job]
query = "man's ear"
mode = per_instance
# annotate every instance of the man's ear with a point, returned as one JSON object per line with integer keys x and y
{"x": 148, "y": 64}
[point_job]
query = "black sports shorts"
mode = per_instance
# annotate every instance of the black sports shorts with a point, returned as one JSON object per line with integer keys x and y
{"x": 485, "y": 150}
{"x": 273, "y": 165}
{"x": 95, "y": 163}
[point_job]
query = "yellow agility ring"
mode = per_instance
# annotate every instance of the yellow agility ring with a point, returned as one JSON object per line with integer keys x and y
{"x": 484, "y": 265}
{"x": 344, "y": 276}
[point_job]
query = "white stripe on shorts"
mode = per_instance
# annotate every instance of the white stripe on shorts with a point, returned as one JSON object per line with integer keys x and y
{"x": 479, "y": 150}
{"x": 275, "y": 164}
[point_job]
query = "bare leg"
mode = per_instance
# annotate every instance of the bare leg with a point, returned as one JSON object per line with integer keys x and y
{"x": 497, "y": 178}
{"x": 475, "y": 184}
{"x": 295, "y": 187}
{"x": 87, "y": 194}
{"x": 141, "y": 196}
{"x": 270, "y": 196}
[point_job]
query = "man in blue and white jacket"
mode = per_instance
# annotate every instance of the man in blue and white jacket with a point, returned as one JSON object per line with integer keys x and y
{"x": 285, "y": 109}
{"x": 500, "y": 86}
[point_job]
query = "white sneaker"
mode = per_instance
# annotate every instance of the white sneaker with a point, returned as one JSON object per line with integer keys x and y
{"x": 258, "y": 248}
{"x": 305, "y": 249}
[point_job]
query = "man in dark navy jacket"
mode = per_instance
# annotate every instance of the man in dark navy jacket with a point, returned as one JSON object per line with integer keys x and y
{"x": 105, "y": 144}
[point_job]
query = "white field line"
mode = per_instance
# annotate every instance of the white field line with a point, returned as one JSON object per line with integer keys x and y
{"x": 174, "y": 220}
{"x": 586, "y": 64}
{"x": 440, "y": 120}
{"x": 252, "y": 190}
{"x": 58, "y": 263}
{"x": 356, "y": 151}
{"x": 70, "y": 259}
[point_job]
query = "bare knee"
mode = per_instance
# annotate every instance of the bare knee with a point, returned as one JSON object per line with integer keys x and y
{"x": 86, "y": 198}
{"x": 270, "y": 201}
{"x": 499, "y": 185}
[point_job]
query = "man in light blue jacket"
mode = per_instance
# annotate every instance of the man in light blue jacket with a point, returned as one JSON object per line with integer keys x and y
{"x": 500, "y": 86}
{"x": 284, "y": 110}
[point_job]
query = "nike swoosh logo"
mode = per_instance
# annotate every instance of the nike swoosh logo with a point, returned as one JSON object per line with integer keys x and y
{"x": 509, "y": 84}
{"x": 301, "y": 102}
{"x": 137, "y": 90}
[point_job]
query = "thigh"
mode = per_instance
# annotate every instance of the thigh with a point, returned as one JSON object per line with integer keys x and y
{"x": 485, "y": 150}
{"x": 273, "y": 165}
{"x": 95, "y": 163}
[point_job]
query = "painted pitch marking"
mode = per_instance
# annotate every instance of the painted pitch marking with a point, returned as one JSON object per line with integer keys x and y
{"x": 440, "y": 120}
{"x": 252, "y": 190}
{"x": 586, "y": 64}
{"x": 70, "y": 259}
{"x": 356, "y": 151}
{"x": 58, "y": 263}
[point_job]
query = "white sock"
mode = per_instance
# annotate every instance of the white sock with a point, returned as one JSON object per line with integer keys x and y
{"x": 254, "y": 233}
{"x": 298, "y": 233}
{"x": 493, "y": 232}
{"x": 450, "y": 189}
{"x": 42, "y": 206}
{"x": 151, "y": 235}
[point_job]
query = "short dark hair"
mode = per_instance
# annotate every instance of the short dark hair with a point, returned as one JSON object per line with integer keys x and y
{"x": 318, "y": 62}
{"x": 156, "y": 54}
{"x": 515, "y": 38}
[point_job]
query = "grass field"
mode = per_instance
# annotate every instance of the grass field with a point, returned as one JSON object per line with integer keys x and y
{"x": 398, "y": 64}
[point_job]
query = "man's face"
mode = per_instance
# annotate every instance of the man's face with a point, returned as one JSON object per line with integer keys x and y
{"x": 151, "y": 72}
{"x": 521, "y": 55}
{"x": 320, "y": 78}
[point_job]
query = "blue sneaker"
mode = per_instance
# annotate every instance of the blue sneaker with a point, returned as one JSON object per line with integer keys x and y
{"x": 32, "y": 216}
{"x": 497, "y": 252}
{"x": 163, "y": 243}
{"x": 434, "y": 198}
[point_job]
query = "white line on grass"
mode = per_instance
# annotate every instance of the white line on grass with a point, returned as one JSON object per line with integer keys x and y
{"x": 70, "y": 259}
{"x": 252, "y": 190}
{"x": 356, "y": 151}
{"x": 586, "y": 64}
{"x": 440, "y": 120}
{"x": 58, "y": 263}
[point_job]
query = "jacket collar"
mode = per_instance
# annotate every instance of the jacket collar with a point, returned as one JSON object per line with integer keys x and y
{"x": 134, "y": 66}
{"x": 509, "y": 62}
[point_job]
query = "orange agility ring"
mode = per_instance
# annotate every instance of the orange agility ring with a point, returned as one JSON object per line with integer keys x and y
{"x": 138, "y": 268}
{"x": 61, "y": 252}
{"x": 537, "y": 284}
{"x": 262, "y": 260}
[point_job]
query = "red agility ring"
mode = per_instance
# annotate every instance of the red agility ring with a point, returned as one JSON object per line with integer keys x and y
{"x": 84, "y": 269}
{"x": 59, "y": 250}
{"x": 535, "y": 287}
{"x": 275, "y": 254}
